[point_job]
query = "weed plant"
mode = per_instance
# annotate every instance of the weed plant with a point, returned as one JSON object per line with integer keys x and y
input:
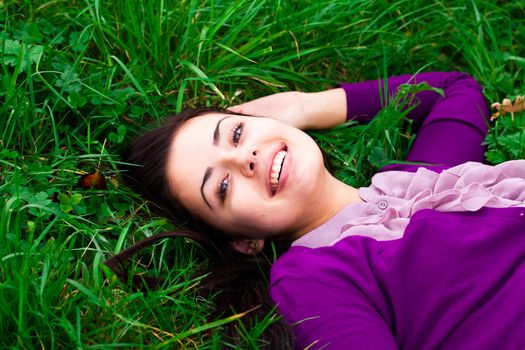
{"x": 79, "y": 79}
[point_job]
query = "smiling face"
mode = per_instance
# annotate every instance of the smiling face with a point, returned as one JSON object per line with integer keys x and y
{"x": 248, "y": 176}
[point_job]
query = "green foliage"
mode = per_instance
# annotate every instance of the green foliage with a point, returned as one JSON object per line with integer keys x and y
{"x": 70, "y": 202}
{"x": 78, "y": 79}
{"x": 506, "y": 139}
{"x": 18, "y": 55}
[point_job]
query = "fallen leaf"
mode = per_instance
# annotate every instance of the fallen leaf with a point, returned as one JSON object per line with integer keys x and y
{"x": 506, "y": 106}
{"x": 94, "y": 180}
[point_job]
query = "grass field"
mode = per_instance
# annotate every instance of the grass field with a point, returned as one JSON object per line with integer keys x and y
{"x": 81, "y": 78}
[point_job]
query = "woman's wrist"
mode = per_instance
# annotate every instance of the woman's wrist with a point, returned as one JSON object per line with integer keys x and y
{"x": 325, "y": 109}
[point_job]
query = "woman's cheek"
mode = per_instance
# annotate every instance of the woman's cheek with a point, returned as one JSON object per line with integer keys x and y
{"x": 261, "y": 223}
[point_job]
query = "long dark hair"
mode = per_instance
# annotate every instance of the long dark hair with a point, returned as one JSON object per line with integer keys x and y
{"x": 239, "y": 282}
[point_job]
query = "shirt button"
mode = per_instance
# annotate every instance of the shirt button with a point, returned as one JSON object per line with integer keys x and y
{"x": 382, "y": 204}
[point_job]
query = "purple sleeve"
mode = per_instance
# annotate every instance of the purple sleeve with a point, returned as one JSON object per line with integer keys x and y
{"x": 344, "y": 321}
{"x": 450, "y": 129}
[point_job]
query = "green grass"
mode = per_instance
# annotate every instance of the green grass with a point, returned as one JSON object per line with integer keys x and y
{"x": 78, "y": 79}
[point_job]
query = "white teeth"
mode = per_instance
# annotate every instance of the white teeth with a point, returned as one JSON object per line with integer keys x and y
{"x": 276, "y": 169}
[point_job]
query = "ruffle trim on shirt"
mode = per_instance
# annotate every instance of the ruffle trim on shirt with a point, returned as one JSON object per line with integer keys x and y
{"x": 466, "y": 187}
{"x": 394, "y": 196}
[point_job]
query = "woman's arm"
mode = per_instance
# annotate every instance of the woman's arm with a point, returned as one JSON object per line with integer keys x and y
{"x": 450, "y": 129}
{"x": 327, "y": 317}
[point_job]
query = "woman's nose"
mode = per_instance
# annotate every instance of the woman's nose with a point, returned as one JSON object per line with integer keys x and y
{"x": 243, "y": 159}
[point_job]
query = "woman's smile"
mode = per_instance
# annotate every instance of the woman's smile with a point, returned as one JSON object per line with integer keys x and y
{"x": 276, "y": 168}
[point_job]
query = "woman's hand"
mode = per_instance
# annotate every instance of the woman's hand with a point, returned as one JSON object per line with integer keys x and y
{"x": 287, "y": 107}
{"x": 318, "y": 110}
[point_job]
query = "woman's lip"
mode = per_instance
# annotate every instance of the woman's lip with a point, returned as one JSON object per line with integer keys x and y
{"x": 269, "y": 165}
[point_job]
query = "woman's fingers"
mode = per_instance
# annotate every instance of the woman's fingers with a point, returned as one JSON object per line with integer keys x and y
{"x": 236, "y": 109}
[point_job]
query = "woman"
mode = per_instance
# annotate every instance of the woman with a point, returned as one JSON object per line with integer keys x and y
{"x": 426, "y": 257}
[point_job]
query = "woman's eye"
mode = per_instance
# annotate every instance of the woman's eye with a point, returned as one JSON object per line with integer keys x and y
{"x": 237, "y": 133}
{"x": 222, "y": 189}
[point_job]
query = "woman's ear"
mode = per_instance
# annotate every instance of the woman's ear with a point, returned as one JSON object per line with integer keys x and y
{"x": 248, "y": 246}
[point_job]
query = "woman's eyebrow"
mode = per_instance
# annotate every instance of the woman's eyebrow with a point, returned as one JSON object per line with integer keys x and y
{"x": 205, "y": 178}
{"x": 216, "y": 132}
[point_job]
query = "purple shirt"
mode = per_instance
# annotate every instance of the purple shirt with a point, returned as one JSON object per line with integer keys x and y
{"x": 454, "y": 280}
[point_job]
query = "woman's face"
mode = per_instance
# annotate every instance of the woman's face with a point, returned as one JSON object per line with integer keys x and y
{"x": 249, "y": 176}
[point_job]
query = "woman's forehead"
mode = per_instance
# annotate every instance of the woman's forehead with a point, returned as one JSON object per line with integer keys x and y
{"x": 198, "y": 131}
